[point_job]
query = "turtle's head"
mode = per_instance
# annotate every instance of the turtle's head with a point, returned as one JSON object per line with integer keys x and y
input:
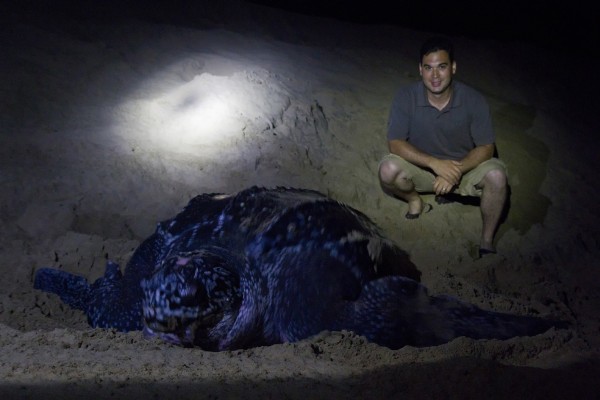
{"x": 191, "y": 300}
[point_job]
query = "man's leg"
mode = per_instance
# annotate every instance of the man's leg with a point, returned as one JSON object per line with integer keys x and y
{"x": 493, "y": 199}
{"x": 396, "y": 181}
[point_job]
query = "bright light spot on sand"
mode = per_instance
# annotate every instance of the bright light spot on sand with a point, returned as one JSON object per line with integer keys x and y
{"x": 202, "y": 113}
{"x": 207, "y": 116}
{"x": 200, "y": 121}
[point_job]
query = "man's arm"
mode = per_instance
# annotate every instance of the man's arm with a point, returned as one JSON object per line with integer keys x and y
{"x": 476, "y": 156}
{"x": 450, "y": 170}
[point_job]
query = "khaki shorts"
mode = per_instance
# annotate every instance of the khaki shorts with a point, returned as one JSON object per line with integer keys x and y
{"x": 423, "y": 178}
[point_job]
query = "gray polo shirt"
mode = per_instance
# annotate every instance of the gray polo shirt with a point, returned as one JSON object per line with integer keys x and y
{"x": 450, "y": 133}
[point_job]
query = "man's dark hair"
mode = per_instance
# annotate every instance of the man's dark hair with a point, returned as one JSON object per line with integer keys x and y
{"x": 437, "y": 43}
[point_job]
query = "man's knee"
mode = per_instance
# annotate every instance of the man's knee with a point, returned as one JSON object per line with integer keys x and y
{"x": 388, "y": 171}
{"x": 495, "y": 178}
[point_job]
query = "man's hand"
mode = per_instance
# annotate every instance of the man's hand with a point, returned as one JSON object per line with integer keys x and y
{"x": 448, "y": 170}
{"x": 442, "y": 186}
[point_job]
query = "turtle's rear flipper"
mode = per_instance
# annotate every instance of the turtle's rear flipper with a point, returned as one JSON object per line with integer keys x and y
{"x": 73, "y": 290}
{"x": 396, "y": 311}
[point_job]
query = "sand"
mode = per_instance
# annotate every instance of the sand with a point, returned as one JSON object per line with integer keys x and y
{"x": 108, "y": 126}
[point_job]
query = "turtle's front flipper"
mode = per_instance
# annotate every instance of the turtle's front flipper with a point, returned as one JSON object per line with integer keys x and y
{"x": 105, "y": 302}
{"x": 73, "y": 290}
{"x": 396, "y": 311}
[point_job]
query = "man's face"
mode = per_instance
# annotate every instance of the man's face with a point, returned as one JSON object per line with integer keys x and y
{"x": 436, "y": 70}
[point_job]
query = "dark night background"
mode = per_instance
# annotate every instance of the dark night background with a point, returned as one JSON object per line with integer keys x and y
{"x": 567, "y": 26}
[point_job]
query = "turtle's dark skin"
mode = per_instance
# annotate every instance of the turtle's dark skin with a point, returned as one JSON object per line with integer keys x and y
{"x": 268, "y": 266}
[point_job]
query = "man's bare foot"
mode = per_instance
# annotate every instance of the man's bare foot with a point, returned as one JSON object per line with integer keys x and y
{"x": 416, "y": 208}
{"x": 486, "y": 250}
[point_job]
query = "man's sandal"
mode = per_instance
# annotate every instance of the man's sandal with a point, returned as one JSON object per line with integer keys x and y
{"x": 426, "y": 208}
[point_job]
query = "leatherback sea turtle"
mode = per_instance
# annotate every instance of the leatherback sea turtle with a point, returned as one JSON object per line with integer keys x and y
{"x": 267, "y": 266}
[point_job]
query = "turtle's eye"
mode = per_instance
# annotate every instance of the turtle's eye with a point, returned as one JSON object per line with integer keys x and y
{"x": 190, "y": 295}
